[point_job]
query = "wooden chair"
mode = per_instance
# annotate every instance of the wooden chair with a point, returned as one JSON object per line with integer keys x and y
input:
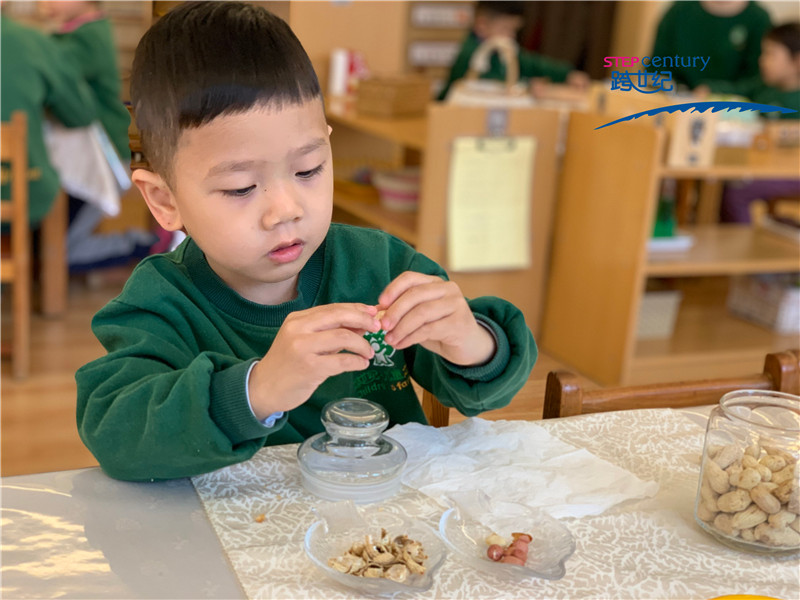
{"x": 565, "y": 398}
{"x": 15, "y": 263}
{"x": 16, "y": 258}
{"x": 437, "y": 413}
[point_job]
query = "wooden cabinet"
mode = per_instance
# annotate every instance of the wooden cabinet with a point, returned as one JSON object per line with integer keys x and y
{"x": 600, "y": 264}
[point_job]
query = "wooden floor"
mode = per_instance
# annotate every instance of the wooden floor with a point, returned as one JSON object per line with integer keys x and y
{"x": 38, "y": 431}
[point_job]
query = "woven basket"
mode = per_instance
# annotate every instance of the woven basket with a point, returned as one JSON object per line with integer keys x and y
{"x": 393, "y": 96}
{"x": 771, "y": 300}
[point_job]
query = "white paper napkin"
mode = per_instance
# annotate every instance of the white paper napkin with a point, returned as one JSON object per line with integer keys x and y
{"x": 514, "y": 461}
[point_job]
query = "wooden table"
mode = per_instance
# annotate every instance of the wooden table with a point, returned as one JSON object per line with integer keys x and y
{"x": 80, "y": 534}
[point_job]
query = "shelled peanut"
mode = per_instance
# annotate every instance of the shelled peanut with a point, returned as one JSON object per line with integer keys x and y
{"x": 753, "y": 494}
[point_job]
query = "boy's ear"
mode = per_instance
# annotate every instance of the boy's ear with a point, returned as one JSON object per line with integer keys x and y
{"x": 159, "y": 198}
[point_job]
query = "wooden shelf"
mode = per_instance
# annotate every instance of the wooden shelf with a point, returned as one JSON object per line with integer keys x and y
{"x": 737, "y": 164}
{"x": 410, "y": 132}
{"x": 727, "y": 250}
{"x": 367, "y": 208}
{"x": 708, "y": 341}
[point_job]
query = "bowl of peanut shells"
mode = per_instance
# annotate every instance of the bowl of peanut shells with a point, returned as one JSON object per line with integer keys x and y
{"x": 377, "y": 552}
{"x": 508, "y": 540}
{"x": 748, "y": 495}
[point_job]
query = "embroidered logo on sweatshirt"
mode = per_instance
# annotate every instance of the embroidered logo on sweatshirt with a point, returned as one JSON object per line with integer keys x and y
{"x": 383, "y": 351}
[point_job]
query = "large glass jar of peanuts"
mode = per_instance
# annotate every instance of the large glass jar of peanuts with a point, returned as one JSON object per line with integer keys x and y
{"x": 748, "y": 496}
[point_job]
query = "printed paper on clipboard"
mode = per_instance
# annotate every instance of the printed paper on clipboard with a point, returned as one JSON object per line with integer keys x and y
{"x": 489, "y": 203}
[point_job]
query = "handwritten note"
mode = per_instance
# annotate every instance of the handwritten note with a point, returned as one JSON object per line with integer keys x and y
{"x": 489, "y": 203}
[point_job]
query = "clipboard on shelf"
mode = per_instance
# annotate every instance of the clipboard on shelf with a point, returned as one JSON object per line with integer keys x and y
{"x": 489, "y": 203}
{"x": 446, "y": 124}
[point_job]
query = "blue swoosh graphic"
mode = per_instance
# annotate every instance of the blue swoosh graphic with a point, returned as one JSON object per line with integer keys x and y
{"x": 702, "y": 107}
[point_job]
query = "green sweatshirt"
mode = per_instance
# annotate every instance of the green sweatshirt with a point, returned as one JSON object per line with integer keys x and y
{"x": 34, "y": 78}
{"x": 91, "y": 49}
{"x": 733, "y": 44}
{"x": 169, "y": 399}
{"x": 756, "y": 90}
{"x": 530, "y": 65}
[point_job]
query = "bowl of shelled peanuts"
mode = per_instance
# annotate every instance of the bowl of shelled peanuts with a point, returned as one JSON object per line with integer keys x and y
{"x": 510, "y": 541}
{"x": 748, "y": 494}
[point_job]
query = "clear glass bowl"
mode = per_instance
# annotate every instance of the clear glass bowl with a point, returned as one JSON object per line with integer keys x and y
{"x": 341, "y": 524}
{"x": 352, "y": 460}
{"x": 474, "y": 517}
{"x": 749, "y": 486}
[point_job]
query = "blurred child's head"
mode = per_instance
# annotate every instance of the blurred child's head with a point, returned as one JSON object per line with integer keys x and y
{"x": 232, "y": 123}
{"x": 780, "y": 57}
{"x": 498, "y": 18}
{"x": 61, "y": 11}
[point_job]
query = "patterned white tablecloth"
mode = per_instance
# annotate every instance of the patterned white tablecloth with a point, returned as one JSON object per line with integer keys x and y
{"x": 640, "y": 549}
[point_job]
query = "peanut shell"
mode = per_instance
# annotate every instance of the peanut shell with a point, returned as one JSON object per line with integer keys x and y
{"x": 734, "y": 501}
{"x": 762, "y": 496}
{"x": 727, "y": 456}
{"x": 749, "y": 517}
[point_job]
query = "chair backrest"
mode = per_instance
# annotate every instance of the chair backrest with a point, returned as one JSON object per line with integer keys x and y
{"x": 437, "y": 413}
{"x": 564, "y": 396}
{"x": 14, "y": 152}
{"x": 15, "y": 265}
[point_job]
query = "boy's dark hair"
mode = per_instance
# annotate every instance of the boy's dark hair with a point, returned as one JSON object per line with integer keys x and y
{"x": 787, "y": 35}
{"x": 496, "y": 8}
{"x": 206, "y": 59}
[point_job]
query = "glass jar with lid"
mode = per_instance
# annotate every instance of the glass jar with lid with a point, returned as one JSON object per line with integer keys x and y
{"x": 352, "y": 460}
{"x": 748, "y": 495}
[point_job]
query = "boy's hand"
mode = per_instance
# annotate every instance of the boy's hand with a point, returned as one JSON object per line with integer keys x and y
{"x": 308, "y": 350}
{"x": 426, "y": 310}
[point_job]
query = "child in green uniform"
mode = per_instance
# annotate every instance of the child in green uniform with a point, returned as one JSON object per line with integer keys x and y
{"x": 505, "y": 19}
{"x": 779, "y": 80}
{"x": 266, "y": 312}
{"x": 34, "y": 78}
{"x": 85, "y": 37}
{"x": 728, "y": 32}
{"x": 778, "y": 85}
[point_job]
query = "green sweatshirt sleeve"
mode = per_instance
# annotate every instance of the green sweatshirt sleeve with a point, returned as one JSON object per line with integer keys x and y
{"x": 473, "y": 390}
{"x": 155, "y": 408}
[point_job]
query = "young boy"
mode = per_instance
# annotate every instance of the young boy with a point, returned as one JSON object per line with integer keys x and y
{"x": 778, "y": 85}
{"x": 504, "y": 19}
{"x": 240, "y": 336}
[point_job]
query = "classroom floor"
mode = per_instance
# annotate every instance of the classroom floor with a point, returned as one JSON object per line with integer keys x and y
{"x": 37, "y": 424}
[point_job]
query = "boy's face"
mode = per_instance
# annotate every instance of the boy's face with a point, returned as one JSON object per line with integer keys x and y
{"x": 255, "y": 192}
{"x": 778, "y": 67}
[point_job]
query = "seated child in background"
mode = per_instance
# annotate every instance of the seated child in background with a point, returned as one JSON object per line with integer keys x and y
{"x": 35, "y": 79}
{"x": 505, "y": 19}
{"x": 241, "y": 335}
{"x": 778, "y": 85}
{"x": 85, "y": 38}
